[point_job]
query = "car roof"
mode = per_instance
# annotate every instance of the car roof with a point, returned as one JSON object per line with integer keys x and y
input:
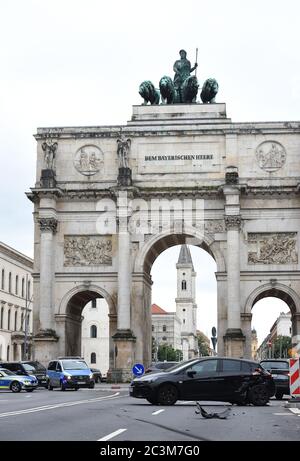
{"x": 274, "y": 360}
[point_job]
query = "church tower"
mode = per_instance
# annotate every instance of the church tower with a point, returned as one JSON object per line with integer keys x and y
{"x": 186, "y": 307}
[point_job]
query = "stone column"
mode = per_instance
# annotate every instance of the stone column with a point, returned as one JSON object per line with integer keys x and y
{"x": 296, "y": 332}
{"x": 234, "y": 338}
{"x": 124, "y": 339}
{"x": 48, "y": 228}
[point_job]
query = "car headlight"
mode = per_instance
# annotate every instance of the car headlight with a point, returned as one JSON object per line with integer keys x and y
{"x": 91, "y": 376}
{"x": 68, "y": 377}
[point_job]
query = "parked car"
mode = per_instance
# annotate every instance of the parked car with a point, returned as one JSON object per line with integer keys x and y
{"x": 97, "y": 375}
{"x": 160, "y": 366}
{"x": 69, "y": 373}
{"x": 280, "y": 371}
{"x": 28, "y": 368}
{"x": 209, "y": 378}
{"x": 16, "y": 383}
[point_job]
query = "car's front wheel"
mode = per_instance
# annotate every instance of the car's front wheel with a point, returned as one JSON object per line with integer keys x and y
{"x": 15, "y": 386}
{"x": 258, "y": 395}
{"x": 279, "y": 395}
{"x": 167, "y": 394}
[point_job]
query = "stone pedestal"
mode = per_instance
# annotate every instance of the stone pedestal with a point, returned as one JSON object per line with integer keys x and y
{"x": 124, "y": 177}
{"x": 124, "y": 356}
{"x": 48, "y": 180}
{"x": 45, "y": 346}
{"x": 234, "y": 342}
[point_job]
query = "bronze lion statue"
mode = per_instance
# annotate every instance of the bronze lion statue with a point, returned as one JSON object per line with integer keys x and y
{"x": 209, "y": 90}
{"x": 189, "y": 89}
{"x": 167, "y": 90}
{"x": 149, "y": 93}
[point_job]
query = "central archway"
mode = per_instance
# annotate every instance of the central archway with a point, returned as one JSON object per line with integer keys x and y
{"x": 142, "y": 283}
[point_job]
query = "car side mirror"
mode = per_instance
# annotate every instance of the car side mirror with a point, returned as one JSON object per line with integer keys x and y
{"x": 191, "y": 373}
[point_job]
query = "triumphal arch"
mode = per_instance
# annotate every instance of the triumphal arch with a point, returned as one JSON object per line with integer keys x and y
{"x": 109, "y": 199}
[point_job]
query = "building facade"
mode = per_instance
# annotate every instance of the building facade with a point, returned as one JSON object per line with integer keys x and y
{"x": 95, "y": 335}
{"x": 166, "y": 329}
{"x": 281, "y": 327}
{"x": 16, "y": 301}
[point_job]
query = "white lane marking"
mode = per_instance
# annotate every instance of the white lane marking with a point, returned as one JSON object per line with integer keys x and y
{"x": 111, "y": 435}
{"x": 157, "y": 412}
{"x": 283, "y": 414}
{"x": 59, "y": 405}
{"x": 296, "y": 411}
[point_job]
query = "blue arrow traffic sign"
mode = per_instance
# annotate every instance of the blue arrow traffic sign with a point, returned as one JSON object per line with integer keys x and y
{"x": 138, "y": 369}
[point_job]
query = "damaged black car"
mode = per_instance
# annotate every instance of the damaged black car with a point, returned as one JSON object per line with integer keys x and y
{"x": 208, "y": 378}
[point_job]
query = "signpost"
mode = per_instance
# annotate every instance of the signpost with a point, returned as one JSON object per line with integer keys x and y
{"x": 138, "y": 369}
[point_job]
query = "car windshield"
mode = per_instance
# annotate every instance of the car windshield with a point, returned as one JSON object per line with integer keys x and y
{"x": 6, "y": 372}
{"x": 34, "y": 366}
{"x": 277, "y": 365}
{"x": 74, "y": 365}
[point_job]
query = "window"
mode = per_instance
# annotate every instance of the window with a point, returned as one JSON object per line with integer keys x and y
{"x": 28, "y": 292}
{"x": 93, "y": 357}
{"x": 183, "y": 310}
{"x": 183, "y": 285}
{"x": 27, "y": 324}
{"x": 94, "y": 303}
{"x": 207, "y": 366}
{"x": 23, "y": 284}
{"x": 8, "y": 320}
{"x": 93, "y": 331}
{"x": 164, "y": 327}
{"x": 16, "y": 320}
{"x": 231, "y": 365}
{"x": 52, "y": 366}
{"x": 183, "y": 321}
{"x": 22, "y": 320}
{"x": 17, "y": 284}
{"x": 9, "y": 282}
{"x": 7, "y": 355}
{"x": 1, "y": 320}
{"x": 164, "y": 338}
{"x": 2, "y": 280}
{"x": 152, "y": 327}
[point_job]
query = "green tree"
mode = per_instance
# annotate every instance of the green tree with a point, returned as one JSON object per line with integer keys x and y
{"x": 166, "y": 352}
{"x": 281, "y": 346}
{"x": 203, "y": 346}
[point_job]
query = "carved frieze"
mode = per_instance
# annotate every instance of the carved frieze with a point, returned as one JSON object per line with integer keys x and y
{"x": 88, "y": 160}
{"x": 214, "y": 226}
{"x": 48, "y": 224}
{"x": 272, "y": 248}
{"x": 87, "y": 250}
{"x": 270, "y": 155}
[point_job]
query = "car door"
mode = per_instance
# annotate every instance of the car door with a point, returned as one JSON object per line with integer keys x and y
{"x": 58, "y": 371}
{"x": 234, "y": 376}
{"x": 4, "y": 381}
{"x": 51, "y": 372}
{"x": 201, "y": 381}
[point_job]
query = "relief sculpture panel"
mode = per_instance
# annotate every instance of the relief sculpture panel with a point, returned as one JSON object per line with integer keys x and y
{"x": 272, "y": 248}
{"x": 87, "y": 250}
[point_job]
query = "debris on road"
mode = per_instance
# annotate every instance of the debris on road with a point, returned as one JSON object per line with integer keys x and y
{"x": 205, "y": 414}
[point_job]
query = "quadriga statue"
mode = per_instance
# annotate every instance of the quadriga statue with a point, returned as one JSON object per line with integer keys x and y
{"x": 209, "y": 90}
{"x": 187, "y": 93}
{"x": 149, "y": 93}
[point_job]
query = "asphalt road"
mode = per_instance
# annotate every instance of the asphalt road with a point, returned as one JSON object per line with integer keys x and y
{"x": 110, "y": 414}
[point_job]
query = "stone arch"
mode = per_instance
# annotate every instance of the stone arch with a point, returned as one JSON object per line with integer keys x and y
{"x": 157, "y": 243}
{"x": 69, "y": 317}
{"x": 81, "y": 295}
{"x": 277, "y": 290}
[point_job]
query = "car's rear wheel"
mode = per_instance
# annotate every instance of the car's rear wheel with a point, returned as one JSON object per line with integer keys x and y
{"x": 258, "y": 395}
{"x": 151, "y": 400}
{"x": 15, "y": 387}
{"x": 279, "y": 395}
{"x": 167, "y": 394}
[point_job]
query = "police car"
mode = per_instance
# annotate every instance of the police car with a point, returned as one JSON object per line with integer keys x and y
{"x": 16, "y": 383}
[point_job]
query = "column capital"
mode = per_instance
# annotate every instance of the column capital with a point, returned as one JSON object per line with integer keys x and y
{"x": 233, "y": 222}
{"x": 48, "y": 224}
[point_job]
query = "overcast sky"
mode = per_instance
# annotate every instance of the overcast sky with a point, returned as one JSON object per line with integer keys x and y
{"x": 70, "y": 62}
